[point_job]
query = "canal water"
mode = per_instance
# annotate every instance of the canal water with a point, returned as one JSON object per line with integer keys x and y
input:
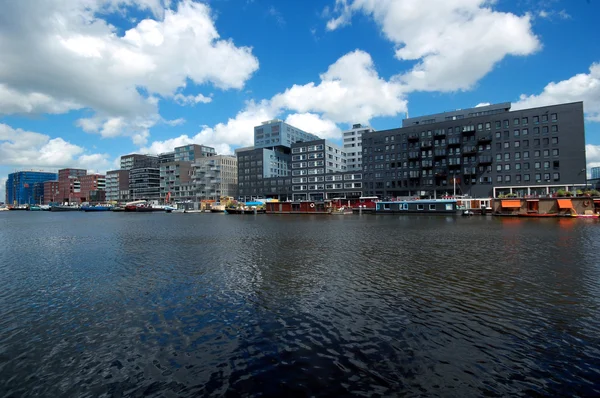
{"x": 113, "y": 304}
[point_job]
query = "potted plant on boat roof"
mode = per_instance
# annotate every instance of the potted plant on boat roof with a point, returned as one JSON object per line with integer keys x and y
{"x": 568, "y": 193}
{"x": 561, "y": 193}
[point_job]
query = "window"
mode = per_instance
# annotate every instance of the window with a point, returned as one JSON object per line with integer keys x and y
{"x": 546, "y": 165}
{"x": 517, "y": 144}
{"x": 536, "y": 142}
{"x": 538, "y": 177}
{"x": 525, "y": 131}
{"x": 517, "y": 155}
{"x": 507, "y": 167}
{"x": 536, "y": 154}
{"x": 536, "y": 130}
{"x": 488, "y": 126}
{"x": 554, "y": 128}
{"x": 526, "y": 177}
{"x": 545, "y": 130}
{"x": 556, "y": 165}
{"x": 507, "y": 178}
{"x": 554, "y": 117}
{"x": 537, "y": 165}
{"x": 525, "y": 120}
{"x": 431, "y": 207}
{"x": 420, "y": 207}
{"x": 506, "y": 124}
{"x": 507, "y": 144}
{"x": 526, "y": 166}
{"x": 517, "y": 133}
{"x": 498, "y": 124}
{"x": 498, "y": 156}
{"x": 506, "y": 135}
{"x": 556, "y": 176}
{"x": 498, "y": 135}
{"x": 544, "y": 118}
{"x": 498, "y": 146}
{"x": 555, "y": 152}
{"x": 517, "y": 166}
{"x": 499, "y": 178}
{"x": 554, "y": 140}
{"x": 526, "y": 155}
{"x": 518, "y": 178}
{"x": 507, "y": 156}
{"x": 546, "y": 153}
{"x": 479, "y": 126}
{"x": 536, "y": 120}
{"x": 516, "y": 121}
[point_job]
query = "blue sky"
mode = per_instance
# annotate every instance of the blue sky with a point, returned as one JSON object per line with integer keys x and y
{"x": 83, "y": 82}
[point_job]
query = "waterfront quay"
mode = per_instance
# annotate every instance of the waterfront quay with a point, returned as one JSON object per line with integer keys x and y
{"x": 378, "y": 305}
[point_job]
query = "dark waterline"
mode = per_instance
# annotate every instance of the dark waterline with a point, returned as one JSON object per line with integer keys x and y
{"x": 211, "y": 304}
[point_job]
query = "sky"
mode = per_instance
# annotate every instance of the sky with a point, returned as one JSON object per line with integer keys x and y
{"x": 83, "y": 82}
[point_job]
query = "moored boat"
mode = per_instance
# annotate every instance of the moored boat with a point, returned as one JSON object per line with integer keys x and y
{"x": 96, "y": 208}
{"x": 64, "y": 208}
{"x": 418, "y": 206}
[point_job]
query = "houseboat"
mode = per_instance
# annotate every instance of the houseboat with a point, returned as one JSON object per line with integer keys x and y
{"x": 304, "y": 207}
{"x": 584, "y": 207}
{"x": 418, "y": 206}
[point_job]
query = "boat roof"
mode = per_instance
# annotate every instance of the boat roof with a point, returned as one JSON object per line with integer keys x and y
{"x": 421, "y": 201}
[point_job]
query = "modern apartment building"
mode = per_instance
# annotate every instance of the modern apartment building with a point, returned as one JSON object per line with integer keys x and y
{"x": 144, "y": 176}
{"x": 134, "y": 160}
{"x": 69, "y": 185}
{"x": 117, "y": 185}
{"x": 90, "y": 187}
{"x": 20, "y": 187}
{"x": 478, "y": 152}
{"x": 276, "y": 133}
{"x": 216, "y": 177}
{"x": 353, "y": 146}
{"x": 193, "y": 152}
{"x": 51, "y": 192}
{"x": 595, "y": 173}
{"x": 176, "y": 179}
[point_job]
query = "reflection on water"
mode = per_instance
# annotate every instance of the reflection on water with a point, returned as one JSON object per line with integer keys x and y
{"x": 188, "y": 305}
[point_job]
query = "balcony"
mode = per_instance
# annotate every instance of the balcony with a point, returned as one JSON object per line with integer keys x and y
{"x": 426, "y": 144}
{"x": 439, "y": 153}
{"x": 413, "y": 137}
{"x": 440, "y": 172}
{"x": 468, "y": 130}
{"x": 484, "y": 160}
{"x": 470, "y": 149}
{"x": 440, "y": 133}
{"x": 485, "y": 139}
{"x": 470, "y": 171}
{"x": 454, "y": 141}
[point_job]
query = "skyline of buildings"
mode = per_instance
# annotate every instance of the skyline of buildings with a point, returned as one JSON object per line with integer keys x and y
{"x": 475, "y": 150}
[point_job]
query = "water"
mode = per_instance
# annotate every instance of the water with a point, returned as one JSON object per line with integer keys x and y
{"x": 113, "y": 304}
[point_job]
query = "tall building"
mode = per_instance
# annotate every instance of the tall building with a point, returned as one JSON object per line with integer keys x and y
{"x": 20, "y": 186}
{"x": 595, "y": 173}
{"x": 193, "y": 152}
{"x": 144, "y": 176}
{"x": 353, "y": 146}
{"x": 69, "y": 185}
{"x": 478, "y": 152}
{"x": 51, "y": 192}
{"x": 117, "y": 185}
{"x": 92, "y": 188}
{"x": 215, "y": 177}
{"x": 276, "y": 133}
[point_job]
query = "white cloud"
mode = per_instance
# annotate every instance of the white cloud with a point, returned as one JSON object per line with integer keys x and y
{"x": 175, "y": 122}
{"x": 61, "y": 55}
{"x": 191, "y": 99}
{"x": 315, "y": 124}
{"x": 26, "y": 149}
{"x": 581, "y": 87}
{"x": 351, "y": 91}
{"x": 455, "y": 42}
{"x": 3, "y": 188}
{"x": 482, "y": 104}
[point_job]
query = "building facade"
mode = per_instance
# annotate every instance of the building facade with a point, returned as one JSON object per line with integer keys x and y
{"x": 144, "y": 183}
{"x": 477, "y": 152}
{"x": 134, "y": 160}
{"x": 193, "y": 152}
{"x": 90, "y": 186}
{"x": 176, "y": 180}
{"x": 51, "y": 192}
{"x": 276, "y": 133}
{"x": 117, "y": 185}
{"x": 20, "y": 187}
{"x": 595, "y": 173}
{"x": 353, "y": 146}
{"x": 216, "y": 177}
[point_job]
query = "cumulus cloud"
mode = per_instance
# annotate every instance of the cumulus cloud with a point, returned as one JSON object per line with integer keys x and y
{"x": 26, "y": 149}
{"x": 191, "y": 99}
{"x": 592, "y": 156}
{"x": 351, "y": 91}
{"x": 455, "y": 42}
{"x": 315, "y": 124}
{"x": 60, "y": 55}
{"x": 581, "y": 87}
{"x": 479, "y": 105}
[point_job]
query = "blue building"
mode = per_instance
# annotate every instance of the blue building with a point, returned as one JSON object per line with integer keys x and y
{"x": 275, "y": 133}
{"x": 21, "y": 186}
{"x": 595, "y": 173}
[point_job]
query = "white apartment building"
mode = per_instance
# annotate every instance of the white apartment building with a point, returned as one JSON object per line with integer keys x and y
{"x": 353, "y": 146}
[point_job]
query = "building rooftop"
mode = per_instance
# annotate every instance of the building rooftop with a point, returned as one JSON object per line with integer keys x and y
{"x": 457, "y": 114}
